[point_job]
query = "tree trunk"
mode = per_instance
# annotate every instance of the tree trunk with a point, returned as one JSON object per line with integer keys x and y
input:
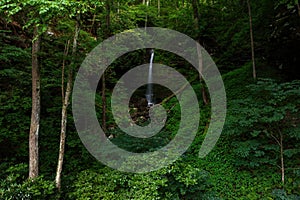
{"x": 204, "y": 96}
{"x": 176, "y": 92}
{"x": 279, "y": 141}
{"x": 103, "y": 103}
{"x": 118, "y": 9}
{"x": 195, "y": 4}
{"x": 158, "y": 7}
{"x": 196, "y": 15}
{"x": 282, "y": 158}
{"x": 36, "y": 108}
{"x": 66, "y": 102}
{"x": 298, "y": 6}
{"x": 252, "y": 40}
{"x": 108, "y": 10}
{"x": 146, "y": 18}
{"x": 108, "y": 20}
{"x": 93, "y": 20}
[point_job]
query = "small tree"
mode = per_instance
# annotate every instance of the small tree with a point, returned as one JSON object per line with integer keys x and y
{"x": 251, "y": 39}
{"x": 264, "y": 125}
{"x": 37, "y": 15}
{"x": 66, "y": 101}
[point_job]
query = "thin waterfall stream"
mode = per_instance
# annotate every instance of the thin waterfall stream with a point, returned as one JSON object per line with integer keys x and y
{"x": 149, "y": 92}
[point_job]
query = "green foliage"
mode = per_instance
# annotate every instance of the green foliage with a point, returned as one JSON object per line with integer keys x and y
{"x": 178, "y": 181}
{"x": 15, "y": 103}
{"x": 288, "y": 3}
{"x": 13, "y": 185}
{"x": 226, "y": 178}
{"x": 256, "y": 124}
{"x": 279, "y": 194}
{"x": 236, "y": 82}
{"x": 255, "y": 118}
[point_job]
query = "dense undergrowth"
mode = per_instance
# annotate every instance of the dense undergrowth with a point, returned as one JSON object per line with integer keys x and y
{"x": 259, "y": 145}
{"x": 226, "y": 173}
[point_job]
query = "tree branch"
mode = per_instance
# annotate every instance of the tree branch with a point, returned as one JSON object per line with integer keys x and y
{"x": 177, "y": 92}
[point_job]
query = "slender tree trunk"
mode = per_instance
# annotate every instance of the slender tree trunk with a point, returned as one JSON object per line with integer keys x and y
{"x": 108, "y": 11}
{"x": 146, "y": 18}
{"x": 195, "y": 4}
{"x": 108, "y": 20}
{"x": 66, "y": 52}
{"x": 176, "y": 92}
{"x": 103, "y": 103}
{"x": 196, "y": 15}
{"x": 158, "y": 7}
{"x": 298, "y": 6}
{"x": 204, "y": 97}
{"x": 118, "y": 9}
{"x": 177, "y": 4}
{"x": 66, "y": 102}
{"x": 63, "y": 122}
{"x": 252, "y": 40}
{"x": 282, "y": 158}
{"x": 36, "y": 108}
{"x": 280, "y": 143}
{"x": 93, "y": 20}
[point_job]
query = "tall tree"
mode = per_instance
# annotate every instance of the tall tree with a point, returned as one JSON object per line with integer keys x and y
{"x": 30, "y": 9}
{"x": 158, "y": 7}
{"x": 252, "y": 40}
{"x": 298, "y": 6}
{"x": 40, "y": 14}
{"x": 108, "y": 32}
{"x": 66, "y": 102}
{"x": 146, "y": 18}
{"x": 36, "y": 107}
{"x": 43, "y": 15}
{"x": 196, "y": 14}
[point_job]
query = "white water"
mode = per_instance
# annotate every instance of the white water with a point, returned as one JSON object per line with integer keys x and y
{"x": 149, "y": 93}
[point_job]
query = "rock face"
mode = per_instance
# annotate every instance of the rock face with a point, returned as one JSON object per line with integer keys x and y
{"x": 139, "y": 111}
{"x": 139, "y": 108}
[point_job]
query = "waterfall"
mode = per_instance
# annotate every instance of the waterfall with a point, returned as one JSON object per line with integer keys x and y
{"x": 149, "y": 93}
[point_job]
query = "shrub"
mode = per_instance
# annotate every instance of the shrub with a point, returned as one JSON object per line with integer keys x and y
{"x": 14, "y": 185}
